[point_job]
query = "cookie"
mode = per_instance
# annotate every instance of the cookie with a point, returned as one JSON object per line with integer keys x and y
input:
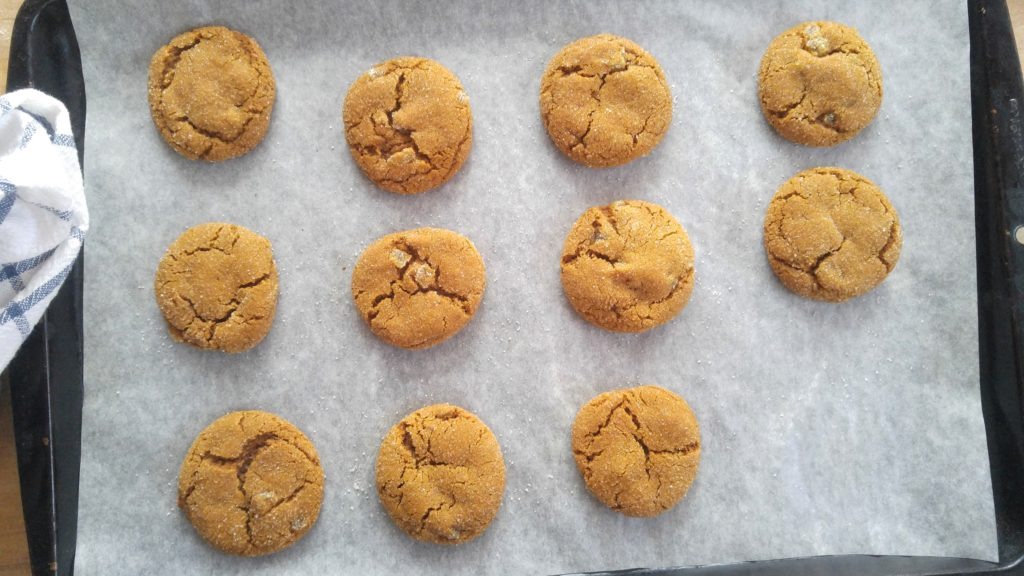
{"x": 417, "y": 288}
{"x": 440, "y": 475}
{"x": 605, "y": 101}
{"x": 408, "y": 124}
{"x": 211, "y": 93}
{"x": 628, "y": 266}
{"x": 251, "y": 484}
{"x": 831, "y": 234}
{"x": 819, "y": 84}
{"x": 638, "y": 449}
{"x": 217, "y": 287}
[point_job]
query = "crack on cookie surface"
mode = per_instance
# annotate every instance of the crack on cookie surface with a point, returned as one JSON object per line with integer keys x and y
{"x": 172, "y": 57}
{"x": 420, "y": 264}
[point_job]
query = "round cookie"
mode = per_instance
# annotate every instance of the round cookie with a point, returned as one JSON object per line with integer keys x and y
{"x": 408, "y": 124}
{"x": 417, "y": 288}
{"x": 628, "y": 266}
{"x": 638, "y": 449}
{"x": 440, "y": 475}
{"x": 251, "y": 484}
{"x": 605, "y": 101}
{"x": 217, "y": 287}
{"x": 831, "y": 234}
{"x": 819, "y": 84}
{"x": 211, "y": 93}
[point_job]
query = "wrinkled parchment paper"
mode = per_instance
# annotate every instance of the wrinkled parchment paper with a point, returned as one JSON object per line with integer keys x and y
{"x": 827, "y": 429}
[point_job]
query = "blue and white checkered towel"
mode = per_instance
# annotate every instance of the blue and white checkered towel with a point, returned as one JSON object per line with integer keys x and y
{"x": 43, "y": 217}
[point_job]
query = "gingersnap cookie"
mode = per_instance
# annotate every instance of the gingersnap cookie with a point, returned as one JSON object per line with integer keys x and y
{"x": 605, "y": 101}
{"x": 440, "y": 475}
{"x": 417, "y": 288}
{"x": 217, "y": 287}
{"x": 638, "y": 449}
{"x": 831, "y": 234}
{"x": 627, "y": 266}
{"x": 820, "y": 84}
{"x": 251, "y": 484}
{"x": 211, "y": 93}
{"x": 408, "y": 124}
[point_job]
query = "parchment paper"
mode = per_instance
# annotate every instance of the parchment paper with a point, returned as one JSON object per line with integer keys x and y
{"x": 827, "y": 429}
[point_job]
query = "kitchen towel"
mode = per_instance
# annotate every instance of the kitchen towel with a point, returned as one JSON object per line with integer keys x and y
{"x": 43, "y": 214}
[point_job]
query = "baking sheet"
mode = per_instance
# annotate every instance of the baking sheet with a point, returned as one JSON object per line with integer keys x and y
{"x": 827, "y": 429}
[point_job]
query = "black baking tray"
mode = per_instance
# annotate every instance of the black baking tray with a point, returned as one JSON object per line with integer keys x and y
{"x": 46, "y": 376}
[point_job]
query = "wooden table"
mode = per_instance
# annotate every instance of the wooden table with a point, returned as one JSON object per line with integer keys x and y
{"x": 13, "y": 547}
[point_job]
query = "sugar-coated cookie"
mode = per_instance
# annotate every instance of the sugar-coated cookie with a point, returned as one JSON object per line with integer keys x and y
{"x": 831, "y": 234}
{"x": 211, "y": 92}
{"x": 217, "y": 287}
{"x": 627, "y": 266}
{"x": 417, "y": 288}
{"x": 638, "y": 449}
{"x": 251, "y": 484}
{"x": 408, "y": 124}
{"x": 820, "y": 84}
{"x": 605, "y": 101}
{"x": 440, "y": 475}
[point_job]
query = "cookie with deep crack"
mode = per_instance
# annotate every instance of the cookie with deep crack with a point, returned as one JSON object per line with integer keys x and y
{"x": 251, "y": 484}
{"x": 831, "y": 234}
{"x": 605, "y": 101}
{"x": 440, "y": 475}
{"x": 211, "y": 92}
{"x": 627, "y": 266}
{"x": 408, "y": 124}
{"x": 638, "y": 449}
{"x": 820, "y": 84}
{"x": 217, "y": 287}
{"x": 417, "y": 288}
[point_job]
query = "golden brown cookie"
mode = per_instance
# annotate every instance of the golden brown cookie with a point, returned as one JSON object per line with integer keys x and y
{"x": 417, "y": 288}
{"x": 408, "y": 124}
{"x": 440, "y": 475}
{"x": 217, "y": 287}
{"x": 211, "y": 93}
{"x": 831, "y": 234}
{"x": 638, "y": 449}
{"x": 627, "y": 266}
{"x": 251, "y": 484}
{"x": 605, "y": 101}
{"x": 820, "y": 84}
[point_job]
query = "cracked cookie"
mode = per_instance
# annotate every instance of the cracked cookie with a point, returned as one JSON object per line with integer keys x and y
{"x": 211, "y": 93}
{"x": 627, "y": 266}
{"x": 408, "y": 124}
{"x": 440, "y": 475}
{"x": 251, "y": 484}
{"x": 819, "y": 84}
{"x": 638, "y": 449}
{"x": 831, "y": 234}
{"x": 417, "y": 288}
{"x": 605, "y": 101}
{"x": 217, "y": 287}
